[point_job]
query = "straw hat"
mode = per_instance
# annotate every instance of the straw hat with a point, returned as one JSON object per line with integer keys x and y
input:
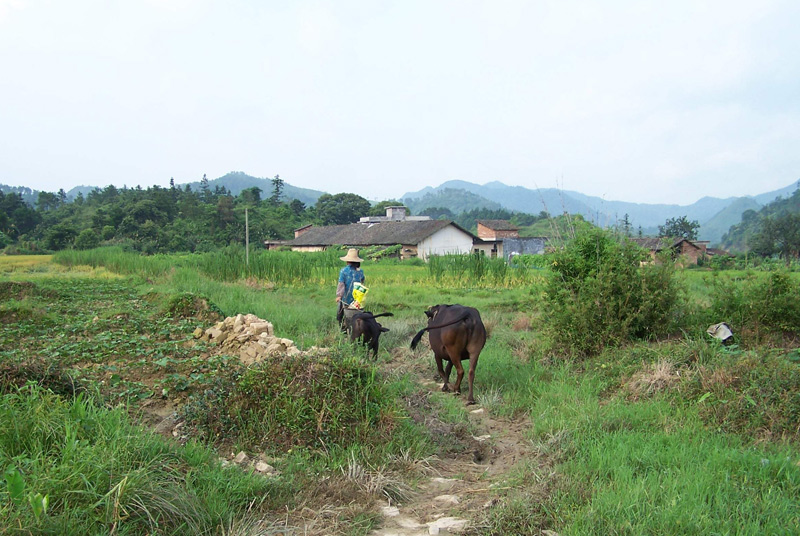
{"x": 352, "y": 256}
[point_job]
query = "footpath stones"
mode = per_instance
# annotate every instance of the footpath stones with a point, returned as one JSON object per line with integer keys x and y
{"x": 251, "y": 338}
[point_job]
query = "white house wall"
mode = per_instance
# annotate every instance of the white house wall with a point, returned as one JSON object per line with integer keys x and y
{"x": 445, "y": 241}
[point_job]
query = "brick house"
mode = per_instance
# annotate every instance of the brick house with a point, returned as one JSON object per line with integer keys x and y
{"x": 687, "y": 250}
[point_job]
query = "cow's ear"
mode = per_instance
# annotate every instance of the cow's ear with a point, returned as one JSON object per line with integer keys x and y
{"x": 429, "y": 313}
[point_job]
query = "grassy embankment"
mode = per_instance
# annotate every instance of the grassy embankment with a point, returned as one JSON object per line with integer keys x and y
{"x": 677, "y": 437}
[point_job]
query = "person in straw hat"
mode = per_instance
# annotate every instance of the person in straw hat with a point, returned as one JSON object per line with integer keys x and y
{"x": 348, "y": 275}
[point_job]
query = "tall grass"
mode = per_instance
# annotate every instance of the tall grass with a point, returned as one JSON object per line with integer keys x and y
{"x": 279, "y": 267}
{"x": 120, "y": 261}
{"x": 74, "y": 468}
{"x": 477, "y": 270}
{"x": 230, "y": 264}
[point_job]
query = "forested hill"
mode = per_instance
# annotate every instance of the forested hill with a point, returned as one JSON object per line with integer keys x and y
{"x": 774, "y": 229}
{"x": 236, "y": 181}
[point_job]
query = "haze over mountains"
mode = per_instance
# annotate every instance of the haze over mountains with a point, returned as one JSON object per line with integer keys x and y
{"x": 714, "y": 214}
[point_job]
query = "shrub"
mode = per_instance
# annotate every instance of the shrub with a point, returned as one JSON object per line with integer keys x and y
{"x": 87, "y": 239}
{"x": 757, "y": 305}
{"x": 598, "y": 294}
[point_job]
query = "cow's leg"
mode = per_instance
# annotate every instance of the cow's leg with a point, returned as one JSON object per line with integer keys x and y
{"x": 459, "y": 377}
{"x": 473, "y": 363}
{"x": 447, "y": 369}
{"x": 442, "y": 374}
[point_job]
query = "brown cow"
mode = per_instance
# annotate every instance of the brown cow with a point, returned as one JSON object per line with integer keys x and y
{"x": 456, "y": 333}
{"x": 364, "y": 326}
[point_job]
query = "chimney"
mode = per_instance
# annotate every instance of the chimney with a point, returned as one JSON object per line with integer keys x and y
{"x": 301, "y": 230}
{"x": 395, "y": 213}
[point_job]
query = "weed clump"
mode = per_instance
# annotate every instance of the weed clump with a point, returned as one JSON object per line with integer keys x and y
{"x": 301, "y": 401}
{"x": 749, "y": 394}
{"x": 190, "y": 305}
{"x": 601, "y": 295}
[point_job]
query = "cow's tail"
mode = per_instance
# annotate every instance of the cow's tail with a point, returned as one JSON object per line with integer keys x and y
{"x": 418, "y": 336}
{"x": 368, "y": 315}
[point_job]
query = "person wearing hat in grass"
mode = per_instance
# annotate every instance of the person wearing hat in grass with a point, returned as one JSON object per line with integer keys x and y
{"x": 348, "y": 275}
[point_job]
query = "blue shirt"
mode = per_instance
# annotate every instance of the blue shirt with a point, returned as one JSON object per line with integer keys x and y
{"x": 349, "y": 275}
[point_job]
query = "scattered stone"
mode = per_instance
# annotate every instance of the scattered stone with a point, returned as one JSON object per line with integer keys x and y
{"x": 241, "y": 458}
{"x": 264, "y": 467}
{"x": 477, "y": 411}
{"x": 198, "y": 332}
{"x": 482, "y": 437}
{"x": 451, "y": 524}
{"x": 448, "y": 499}
{"x": 549, "y": 533}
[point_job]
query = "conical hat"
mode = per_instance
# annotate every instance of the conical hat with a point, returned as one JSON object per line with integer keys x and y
{"x": 352, "y": 256}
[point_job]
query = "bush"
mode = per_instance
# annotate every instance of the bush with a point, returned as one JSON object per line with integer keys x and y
{"x": 758, "y": 304}
{"x": 87, "y": 239}
{"x": 599, "y": 294}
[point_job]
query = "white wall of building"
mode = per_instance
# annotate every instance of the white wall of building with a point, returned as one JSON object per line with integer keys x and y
{"x": 445, "y": 241}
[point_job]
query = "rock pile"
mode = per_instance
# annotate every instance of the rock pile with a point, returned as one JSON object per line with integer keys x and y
{"x": 250, "y": 337}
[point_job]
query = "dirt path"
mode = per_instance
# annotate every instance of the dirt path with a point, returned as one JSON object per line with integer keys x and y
{"x": 464, "y": 484}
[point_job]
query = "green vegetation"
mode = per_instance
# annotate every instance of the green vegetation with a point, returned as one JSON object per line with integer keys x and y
{"x": 773, "y": 230}
{"x": 599, "y": 295}
{"x": 634, "y": 420}
{"x": 71, "y": 467}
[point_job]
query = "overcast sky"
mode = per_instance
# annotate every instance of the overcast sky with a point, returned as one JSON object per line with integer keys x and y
{"x": 636, "y": 101}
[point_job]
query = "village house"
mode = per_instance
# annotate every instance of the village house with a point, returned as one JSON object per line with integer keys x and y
{"x": 418, "y": 236}
{"x": 499, "y": 238}
{"x": 690, "y": 252}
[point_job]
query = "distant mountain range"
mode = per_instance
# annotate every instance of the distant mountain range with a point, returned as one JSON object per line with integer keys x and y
{"x": 714, "y": 215}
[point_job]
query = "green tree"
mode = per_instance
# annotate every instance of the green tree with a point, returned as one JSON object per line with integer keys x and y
{"x": 379, "y": 209}
{"x": 680, "y": 228}
{"x": 47, "y": 201}
{"x": 778, "y": 235}
{"x": 87, "y": 239}
{"x": 341, "y": 209}
{"x": 250, "y": 197}
{"x": 205, "y": 190}
{"x": 60, "y": 236}
{"x": 277, "y": 190}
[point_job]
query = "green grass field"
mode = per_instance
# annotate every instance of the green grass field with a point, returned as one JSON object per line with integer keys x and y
{"x": 679, "y": 436}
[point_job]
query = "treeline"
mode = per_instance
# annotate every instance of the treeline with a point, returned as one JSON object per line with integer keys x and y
{"x": 161, "y": 220}
{"x": 469, "y": 219}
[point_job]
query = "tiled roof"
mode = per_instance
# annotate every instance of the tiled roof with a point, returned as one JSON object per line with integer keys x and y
{"x": 657, "y": 244}
{"x": 369, "y": 234}
{"x": 498, "y": 225}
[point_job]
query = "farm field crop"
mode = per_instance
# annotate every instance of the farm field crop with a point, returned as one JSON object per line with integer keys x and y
{"x": 677, "y": 436}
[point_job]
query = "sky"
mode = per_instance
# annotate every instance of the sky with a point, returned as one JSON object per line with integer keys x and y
{"x": 641, "y": 101}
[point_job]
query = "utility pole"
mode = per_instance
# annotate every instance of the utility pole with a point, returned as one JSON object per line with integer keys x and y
{"x": 246, "y": 240}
